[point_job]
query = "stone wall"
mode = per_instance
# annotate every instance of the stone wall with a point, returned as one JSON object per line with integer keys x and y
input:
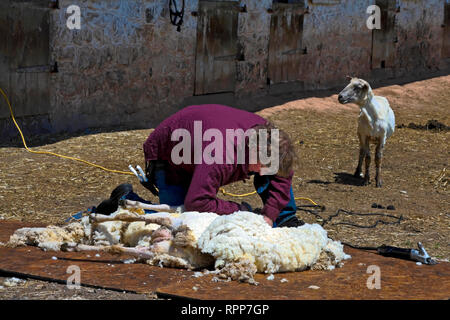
{"x": 253, "y": 37}
{"x": 338, "y": 42}
{"x": 128, "y": 65}
{"x": 420, "y": 36}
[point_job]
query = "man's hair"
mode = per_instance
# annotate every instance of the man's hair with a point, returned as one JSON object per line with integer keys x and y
{"x": 287, "y": 154}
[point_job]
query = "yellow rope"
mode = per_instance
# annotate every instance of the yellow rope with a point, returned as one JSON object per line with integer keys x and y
{"x": 106, "y": 169}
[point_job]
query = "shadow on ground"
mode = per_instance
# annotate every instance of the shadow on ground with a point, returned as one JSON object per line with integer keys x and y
{"x": 347, "y": 179}
{"x": 341, "y": 178}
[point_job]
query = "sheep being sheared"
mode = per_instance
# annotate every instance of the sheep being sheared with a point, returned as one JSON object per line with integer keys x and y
{"x": 376, "y": 123}
{"x": 246, "y": 236}
{"x": 239, "y": 244}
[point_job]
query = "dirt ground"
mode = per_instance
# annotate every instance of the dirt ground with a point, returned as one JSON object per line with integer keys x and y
{"x": 42, "y": 290}
{"x": 40, "y": 188}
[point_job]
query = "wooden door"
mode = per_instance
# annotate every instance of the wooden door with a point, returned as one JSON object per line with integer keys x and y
{"x": 216, "y": 47}
{"x": 446, "y": 33}
{"x": 383, "y": 40}
{"x": 25, "y": 56}
{"x": 285, "y": 45}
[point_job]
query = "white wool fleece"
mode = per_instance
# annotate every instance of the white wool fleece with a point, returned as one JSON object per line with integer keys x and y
{"x": 196, "y": 221}
{"x": 245, "y": 235}
{"x": 240, "y": 240}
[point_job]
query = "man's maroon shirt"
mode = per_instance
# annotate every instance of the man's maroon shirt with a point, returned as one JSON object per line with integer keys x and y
{"x": 204, "y": 180}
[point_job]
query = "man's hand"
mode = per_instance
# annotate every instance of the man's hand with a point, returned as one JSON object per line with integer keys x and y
{"x": 268, "y": 220}
{"x": 149, "y": 185}
{"x": 150, "y": 175}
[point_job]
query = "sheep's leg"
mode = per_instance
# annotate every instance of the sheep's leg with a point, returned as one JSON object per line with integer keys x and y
{"x": 367, "y": 161}
{"x": 148, "y": 218}
{"x": 154, "y": 207}
{"x": 78, "y": 247}
{"x": 378, "y": 157}
{"x": 362, "y": 152}
{"x": 138, "y": 252}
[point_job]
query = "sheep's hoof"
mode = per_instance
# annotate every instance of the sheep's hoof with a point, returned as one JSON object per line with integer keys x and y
{"x": 357, "y": 174}
{"x": 379, "y": 183}
{"x": 366, "y": 181}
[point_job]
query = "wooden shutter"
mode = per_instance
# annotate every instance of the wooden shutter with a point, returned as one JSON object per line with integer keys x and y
{"x": 285, "y": 46}
{"x": 383, "y": 40}
{"x": 25, "y": 52}
{"x": 216, "y": 47}
{"x": 446, "y": 33}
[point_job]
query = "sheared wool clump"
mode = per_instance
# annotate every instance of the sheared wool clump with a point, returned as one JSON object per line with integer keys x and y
{"x": 12, "y": 282}
{"x": 245, "y": 235}
{"x": 138, "y": 234}
{"x": 167, "y": 260}
{"x": 48, "y": 239}
{"x": 197, "y": 222}
{"x": 108, "y": 233}
{"x": 242, "y": 270}
{"x": 130, "y": 234}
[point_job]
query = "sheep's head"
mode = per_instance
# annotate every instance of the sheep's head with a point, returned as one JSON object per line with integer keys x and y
{"x": 355, "y": 92}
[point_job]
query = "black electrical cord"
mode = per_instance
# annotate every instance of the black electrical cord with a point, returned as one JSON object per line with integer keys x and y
{"x": 316, "y": 209}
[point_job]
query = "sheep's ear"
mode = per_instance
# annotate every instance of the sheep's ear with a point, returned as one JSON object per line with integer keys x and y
{"x": 349, "y": 78}
{"x": 365, "y": 88}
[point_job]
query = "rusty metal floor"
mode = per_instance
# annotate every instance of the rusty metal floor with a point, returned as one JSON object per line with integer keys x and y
{"x": 107, "y": 271}
{"x": 400, "y": 279}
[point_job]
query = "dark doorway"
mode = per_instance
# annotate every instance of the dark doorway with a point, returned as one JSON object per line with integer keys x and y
{"x": 285, "y": 45}
{"x": 383, "y": 40}
{"x": 446, "y": 32}
{"x": 25, "y": 56}
{"x": 217, "y": 47}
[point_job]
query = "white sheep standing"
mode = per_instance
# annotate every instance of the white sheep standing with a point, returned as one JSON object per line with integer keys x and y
{"x": 376, "y": 123}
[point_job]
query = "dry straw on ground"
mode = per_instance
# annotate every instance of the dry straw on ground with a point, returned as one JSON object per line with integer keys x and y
{"x": 40, "y": 188}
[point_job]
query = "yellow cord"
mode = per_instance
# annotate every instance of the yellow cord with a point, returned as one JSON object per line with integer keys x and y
{"x": 52, "y": 153}
{"x": 106, "y": 169}
{"x": 252, "y": 193}
{"x": 307, "y": 199}
{"x": 236, "y": 195}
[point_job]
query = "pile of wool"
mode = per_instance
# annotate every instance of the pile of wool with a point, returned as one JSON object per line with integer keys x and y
{"x": 239, "y": 244}
{"x": 50, "y": 238}
{"x": 129, "y": 234}
{"x": 245, "y": 236}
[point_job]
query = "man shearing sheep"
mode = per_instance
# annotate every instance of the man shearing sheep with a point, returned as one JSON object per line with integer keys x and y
{"x": 194, "y": 152}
